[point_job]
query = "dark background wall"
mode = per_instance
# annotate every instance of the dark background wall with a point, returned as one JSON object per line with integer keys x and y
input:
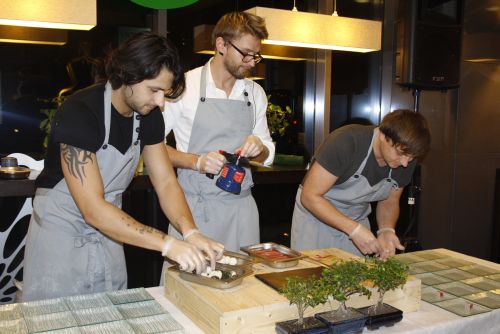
{"x": 458, "y": 177}
{"x": 457, "y": 204}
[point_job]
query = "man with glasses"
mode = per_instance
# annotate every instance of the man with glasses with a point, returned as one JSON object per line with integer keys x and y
{"x": 222, "y": 110}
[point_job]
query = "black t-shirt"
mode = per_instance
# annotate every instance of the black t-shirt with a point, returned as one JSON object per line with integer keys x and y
{"x": 345, "y": 149}
{"x": 80, "y": 123}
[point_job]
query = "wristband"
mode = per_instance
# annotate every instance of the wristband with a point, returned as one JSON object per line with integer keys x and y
{"x": 190, "y": 233}
{"x": 166, "y": 246}
{"x": 356, "y": 230}
{"x": 385, "y": 229}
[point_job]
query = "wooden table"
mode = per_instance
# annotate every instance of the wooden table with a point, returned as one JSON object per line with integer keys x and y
{"x": 254, "y": 307}
{"x": 429, "y": 319}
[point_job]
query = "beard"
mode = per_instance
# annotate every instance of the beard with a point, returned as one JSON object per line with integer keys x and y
{"x": 236, "y": 71}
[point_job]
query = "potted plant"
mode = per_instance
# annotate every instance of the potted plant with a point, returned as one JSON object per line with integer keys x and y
{"x": 386, "y": 275}
{"x": 278, "y": 119}
{"x": 341, "y": 280}
{"x": 50, "y": 112}
{"x": 303, "y": 293}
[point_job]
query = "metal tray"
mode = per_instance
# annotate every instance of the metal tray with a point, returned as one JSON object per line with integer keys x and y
{"x": 14, "y": 173}
{"x": 290, "y": 256}
{"x": 224, "y": 283}
{"x": 241, "y": 259}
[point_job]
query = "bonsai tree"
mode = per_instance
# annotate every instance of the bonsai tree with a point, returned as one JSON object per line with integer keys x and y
{"x": 386, "y": 275}
{"x": 343, "y": 279}
{"x": 304, "y": 293}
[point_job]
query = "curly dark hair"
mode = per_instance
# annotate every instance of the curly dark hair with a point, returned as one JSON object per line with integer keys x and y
{"x": 142, "y": 57}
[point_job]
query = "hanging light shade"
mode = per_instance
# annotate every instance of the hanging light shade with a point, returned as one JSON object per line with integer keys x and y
{"x": 320, "y": 31}
{"x": 27, "y": 35}
{"x": 203, "y": 44}
{"x": 164, "y": 4}
{"x": 481, "y": 47}
{"x": 54, "y": 14}
{"x": 258, "y": 72}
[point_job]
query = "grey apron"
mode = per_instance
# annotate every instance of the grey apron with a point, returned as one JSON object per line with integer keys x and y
{"x": 65, "y": 255}
{"x": 220, "y": 124}
{"x": 352, "y": 198}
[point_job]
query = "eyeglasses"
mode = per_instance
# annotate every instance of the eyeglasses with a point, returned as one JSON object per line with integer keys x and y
{"x": 257, "y": 58}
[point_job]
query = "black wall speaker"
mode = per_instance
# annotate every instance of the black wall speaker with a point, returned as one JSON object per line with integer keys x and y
{"x": 428, "y": 43}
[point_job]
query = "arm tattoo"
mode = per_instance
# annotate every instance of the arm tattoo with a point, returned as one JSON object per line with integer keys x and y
{"x": 76, "y": 159}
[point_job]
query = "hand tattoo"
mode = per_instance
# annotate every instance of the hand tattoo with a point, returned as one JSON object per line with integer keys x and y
{"x": 76, "y": 159}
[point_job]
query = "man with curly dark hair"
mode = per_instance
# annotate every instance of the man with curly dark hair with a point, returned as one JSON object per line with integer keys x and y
{"x": 77, "y": 230}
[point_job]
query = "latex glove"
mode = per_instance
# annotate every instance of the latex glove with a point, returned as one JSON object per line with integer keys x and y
{"x": 389, "y": 242}
{"x": 210, "y": 163}
{"x": 188, "y": 256}
{"x": 213, "y": 249}
{"x": 252, "y": 147}
{"x": 364, "y": 239}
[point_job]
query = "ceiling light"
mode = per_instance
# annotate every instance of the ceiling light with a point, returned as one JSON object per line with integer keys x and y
{"x": 27, "y": 35}
{"x": 54, "y": 14}
{"x": 203, "y": 44}
{"x": 481, "y": 47}
{"x": 311, "y": 30}
{"x": 258, "y": 72}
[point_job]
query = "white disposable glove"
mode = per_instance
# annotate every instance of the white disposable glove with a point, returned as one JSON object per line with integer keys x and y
{"x": 210, "y": 163}
{"x": 188, "y": 256}
{"x": 364, "y": 239}
{"x": 389, "y": 242}
{"x": 252, "y": 147}
{"x": 213, "y": 249}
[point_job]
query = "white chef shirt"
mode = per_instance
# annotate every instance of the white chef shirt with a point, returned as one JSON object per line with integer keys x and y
{"x": 179, "y": 114}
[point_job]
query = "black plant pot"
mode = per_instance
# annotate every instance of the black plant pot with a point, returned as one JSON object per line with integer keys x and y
{"x": 343, "y": 323}
{"x": 384, "y": 315}
{"x": 311, "y": 325}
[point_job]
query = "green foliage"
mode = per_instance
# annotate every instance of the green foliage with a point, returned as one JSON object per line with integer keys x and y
{"x": 387, "y": 274}
{"x": 50, "y": 113}
{"x": 304, "y": 293}
{"x": 343, "y": 279}
{"x": 277, "y": 118}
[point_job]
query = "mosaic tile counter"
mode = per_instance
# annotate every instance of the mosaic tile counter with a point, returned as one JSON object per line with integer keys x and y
{"x": 127, "y": 311}
{"x": 464, "y": 286}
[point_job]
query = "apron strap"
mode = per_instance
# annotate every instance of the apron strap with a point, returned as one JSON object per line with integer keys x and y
{"x": 363, "y": 164}
{"x": 107, "y": 113}
{"x": 203, "y": 83}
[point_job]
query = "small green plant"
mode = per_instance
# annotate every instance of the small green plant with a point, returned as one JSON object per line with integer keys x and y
{"x": 277, "y": 118}
{"x": 304, "y": 293}
{"x": 343, "y": 279}
{"x": 386, "y": 275}
{"x": 50, "y": 113}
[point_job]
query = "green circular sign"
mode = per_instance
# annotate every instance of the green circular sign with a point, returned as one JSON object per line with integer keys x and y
{"x": 164, "y": 4}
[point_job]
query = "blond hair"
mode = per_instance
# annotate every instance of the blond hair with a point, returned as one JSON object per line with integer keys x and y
{"x": 235, "y": 24}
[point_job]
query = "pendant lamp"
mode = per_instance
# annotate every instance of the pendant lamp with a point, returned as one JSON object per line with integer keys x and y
{"x": 203, "y": 45}
{"x": 320, "y": 31}
{"x": 27, "y": 35}
{"x": 54, "y": 14}
{"x": 258, "y": 72}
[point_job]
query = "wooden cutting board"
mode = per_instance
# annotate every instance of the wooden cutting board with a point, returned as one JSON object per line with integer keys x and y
{"x": 278, "y": 280}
